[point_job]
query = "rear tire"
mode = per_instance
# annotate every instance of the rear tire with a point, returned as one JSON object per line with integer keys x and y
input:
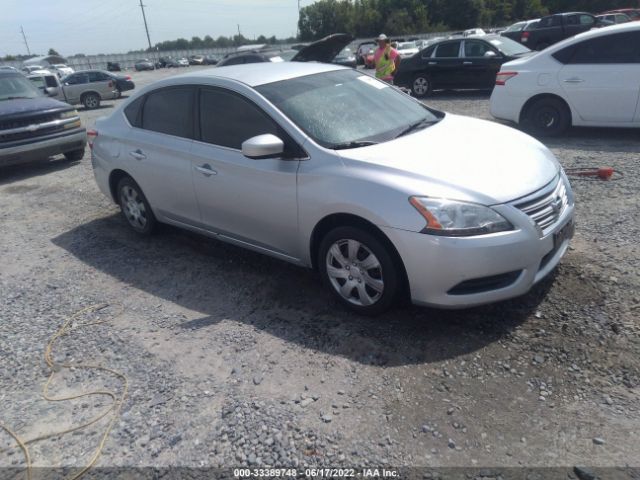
{"x": 91, "y": 101}
{"x": 359, "y": 270}
{"x": 421, "y": 85}
{"x": 135, "y": 207}
{"x": 547, "y": 117}
{"x": 74, "y": 155}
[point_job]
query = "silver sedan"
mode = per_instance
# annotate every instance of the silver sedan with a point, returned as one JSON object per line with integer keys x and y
{"x": 330, "y": 169}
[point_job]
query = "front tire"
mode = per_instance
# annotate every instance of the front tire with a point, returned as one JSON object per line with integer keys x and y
{"x": 135, "y": 207}
{"x": 91, "y": 101}
{"x": 547, "y": 117}
{"x": 359, "y": 270}
{"x": 421, "y": 86}
{"x": 74, "y": 155}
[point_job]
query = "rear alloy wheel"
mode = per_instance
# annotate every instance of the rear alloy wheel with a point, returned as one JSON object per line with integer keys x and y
{"x": 74, "y": 155}
{"x": 421, "y": 86}
{"x": 135, "y": 208}
{"x": 547, "y": 117}
{"x": 91, "y": 101}
{"x": 359, "y": 270}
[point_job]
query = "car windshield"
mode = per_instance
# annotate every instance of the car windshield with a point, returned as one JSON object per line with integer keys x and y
{"x": 345, "y": 52}
{"x": 406, "y": 45}
{"x": 346, "y": 108}
{"x": 17, "y": 86}
{"x": 509, "y": 47}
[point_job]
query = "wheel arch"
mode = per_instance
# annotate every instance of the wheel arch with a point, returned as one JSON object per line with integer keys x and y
{"x": 334, "y": 220}
{"x": 542, "y": 96}
{"x": 87, "y": 92}
{"x": 114, "y": 178}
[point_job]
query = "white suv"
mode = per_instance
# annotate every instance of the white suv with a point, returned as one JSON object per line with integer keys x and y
{"x": 592, "y": 79}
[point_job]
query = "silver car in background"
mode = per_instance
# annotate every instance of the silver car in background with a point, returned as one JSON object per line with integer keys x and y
{"x": 327, "y": 168}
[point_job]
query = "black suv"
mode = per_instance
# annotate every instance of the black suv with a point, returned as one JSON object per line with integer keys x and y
{"x": 34, "y": 127}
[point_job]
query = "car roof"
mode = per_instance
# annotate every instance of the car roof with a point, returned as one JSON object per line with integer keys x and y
{"x": 596, "y": 32}
{"x": 256, "y": 74}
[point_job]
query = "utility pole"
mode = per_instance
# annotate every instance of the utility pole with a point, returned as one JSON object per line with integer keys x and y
{"x": 298, "y": 24}
{"x": 144, "y": 17}
{"x": 25, "y": 40}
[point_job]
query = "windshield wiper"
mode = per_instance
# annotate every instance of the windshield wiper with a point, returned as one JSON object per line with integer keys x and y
{"x": 356, "y": 144}
{"x": 424, "y": 123}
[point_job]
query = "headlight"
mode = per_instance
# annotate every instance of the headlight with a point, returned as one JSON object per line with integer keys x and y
{"x": 458, "y": 219}
{"x": 69, "y": 114}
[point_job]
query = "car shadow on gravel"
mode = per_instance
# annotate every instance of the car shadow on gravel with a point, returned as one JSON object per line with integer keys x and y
{"x": 225, "y": 282}
{"x": 15, "y": 173}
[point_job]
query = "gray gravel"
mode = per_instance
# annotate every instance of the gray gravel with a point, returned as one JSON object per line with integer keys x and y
{"x": 235, "y": 359}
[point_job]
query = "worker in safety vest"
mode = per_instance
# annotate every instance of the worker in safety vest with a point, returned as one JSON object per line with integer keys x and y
{"x": 386, "y": 59}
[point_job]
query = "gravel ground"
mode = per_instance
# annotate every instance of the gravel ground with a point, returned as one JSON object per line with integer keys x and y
{"x": 235, "y": 359}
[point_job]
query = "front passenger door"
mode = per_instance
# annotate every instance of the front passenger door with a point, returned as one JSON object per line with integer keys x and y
{"x": 253, "y": 202}
{"x": 74, "y": 86}
{"x": 480, "y": 69}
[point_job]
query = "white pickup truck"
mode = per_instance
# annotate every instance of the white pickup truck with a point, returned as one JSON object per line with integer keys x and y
{"x": 88, "y": 87}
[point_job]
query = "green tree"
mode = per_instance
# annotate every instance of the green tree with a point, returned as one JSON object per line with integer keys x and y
{"x": 53, "y": 52}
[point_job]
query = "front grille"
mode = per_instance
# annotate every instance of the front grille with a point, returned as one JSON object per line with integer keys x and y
{"x": 8, "y": 129}
{"x": 25, "y": 122}
{"x": 546, "y": 208}
{"x": 485, "y": 284}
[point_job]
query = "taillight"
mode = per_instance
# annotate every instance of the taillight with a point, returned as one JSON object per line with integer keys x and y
{"x": 91, "y": 137}
{"x": 524, "y": 37}
{"x": 128, "y": 77}
{"x": 503, "y": 77}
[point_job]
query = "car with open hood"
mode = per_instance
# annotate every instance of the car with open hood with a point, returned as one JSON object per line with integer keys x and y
{"x": 324, "y": 50}
{"x": 293, "y": 160}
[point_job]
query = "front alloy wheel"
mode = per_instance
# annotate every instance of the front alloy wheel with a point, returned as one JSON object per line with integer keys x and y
{"x": 359, "y": 270}
{"x": 421, "y": 86}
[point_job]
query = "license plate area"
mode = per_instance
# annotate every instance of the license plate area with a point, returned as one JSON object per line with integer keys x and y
{"x": 565, "y": 233}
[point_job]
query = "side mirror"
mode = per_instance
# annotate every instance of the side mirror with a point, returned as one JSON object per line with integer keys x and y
{"x": 52, "y": 91}
{"x": 490, "y": 54}
{"x": 263, "y": 146}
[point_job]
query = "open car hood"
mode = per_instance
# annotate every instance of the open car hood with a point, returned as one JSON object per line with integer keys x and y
{"x": 324, "y": 50}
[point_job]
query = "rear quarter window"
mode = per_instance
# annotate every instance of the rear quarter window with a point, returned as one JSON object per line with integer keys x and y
{"x": 133, "y": 112}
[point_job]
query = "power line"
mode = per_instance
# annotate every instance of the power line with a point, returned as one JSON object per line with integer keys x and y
{"x": 25, "y": 40}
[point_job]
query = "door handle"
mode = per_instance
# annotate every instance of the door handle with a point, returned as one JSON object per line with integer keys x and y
{"x": 206, "y": 170}
{"x": 574, "y": 80}
{"x": 433, "y": 63}
{"x": 137, "y": 154}
{"x": 467, "y": 63}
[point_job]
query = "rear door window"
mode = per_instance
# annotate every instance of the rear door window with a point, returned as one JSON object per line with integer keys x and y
{"x": 78, "y": 79}
{"x": 610, "y": 49}
{"x": 170, "y": 111}
{"x": 448, "y": 50}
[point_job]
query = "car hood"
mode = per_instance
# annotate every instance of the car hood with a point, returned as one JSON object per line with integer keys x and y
{"x": 22, "y": 107}
{"x": 464, "y": 159}
{"x": 324, "y": 50}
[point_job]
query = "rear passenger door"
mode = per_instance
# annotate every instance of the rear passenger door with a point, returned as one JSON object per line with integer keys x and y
{"x": 102, "y": 83}
{"x": 74, "y": 85}
{"x": 601, "y": 77}
{"x": 157, "y": 151}
{"x": 445, "y": 65}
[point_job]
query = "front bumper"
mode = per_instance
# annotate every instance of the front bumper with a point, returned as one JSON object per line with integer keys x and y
{"x": 450, "y": 272}
{"x": 40, "y": 148}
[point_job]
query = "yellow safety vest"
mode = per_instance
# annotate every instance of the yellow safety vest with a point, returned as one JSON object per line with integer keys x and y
{"x": 385, "y": 66}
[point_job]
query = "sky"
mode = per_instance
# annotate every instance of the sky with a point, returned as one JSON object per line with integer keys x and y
{"x": 116, "y": 26}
